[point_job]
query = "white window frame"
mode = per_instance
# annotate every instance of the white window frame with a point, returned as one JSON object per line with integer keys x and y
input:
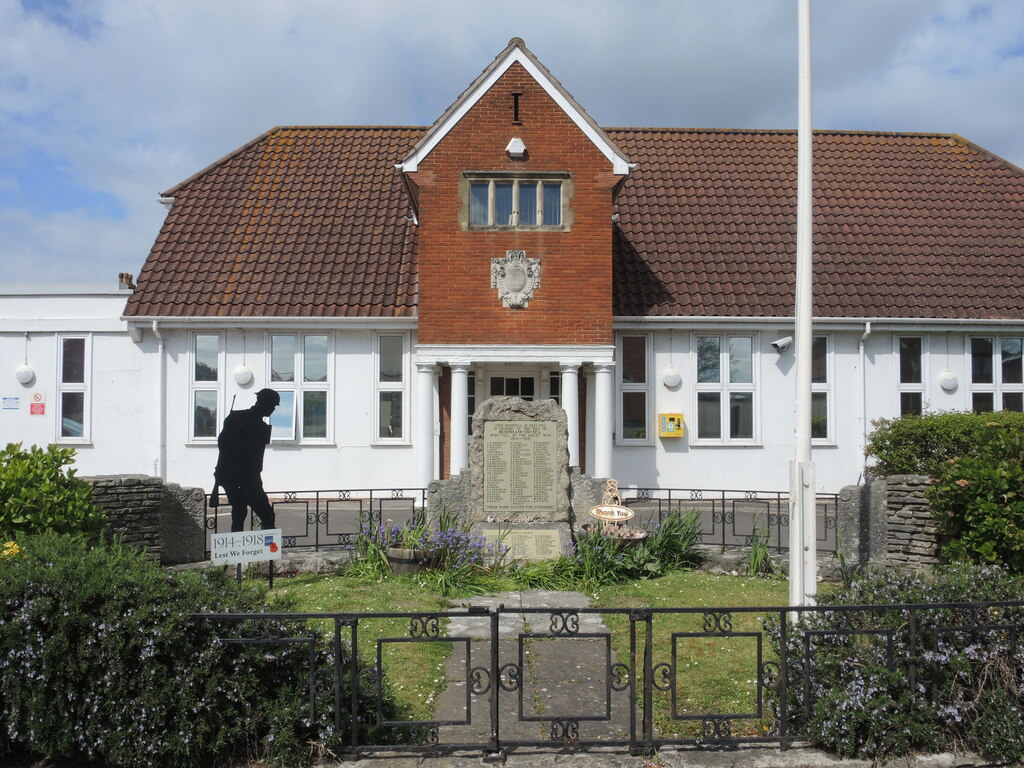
{"x": 825, "y": 387}
{"x": 298, "y": 388}
{"x": 402, "y": 387}
{"x": 726, "y": 388}
{"x": 625, "y": 387}
{"x": 902, "y": 387}
{"x": 84, "y": 387}
{"x": 997, "y": 387}
{"x": 195, "y": 386}
{"x": 517, "y": 181}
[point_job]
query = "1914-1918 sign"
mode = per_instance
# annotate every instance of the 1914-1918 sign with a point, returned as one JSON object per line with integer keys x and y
{"x": 248, "y": 547}
{"x": 520, "y": 467}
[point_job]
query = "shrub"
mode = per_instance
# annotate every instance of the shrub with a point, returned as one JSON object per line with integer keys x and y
{"x": 919, "y": 445}
{"x": 978, "y": 500}
{"x": 968, "y": 690}
{"x": 99, "y": 659}
{"x": 598, "y": 560}
{"x": 37, "y": 494}
{"x": 456, "y": 561}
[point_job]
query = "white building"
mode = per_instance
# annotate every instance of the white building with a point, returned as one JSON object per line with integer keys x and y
{"x": 387, "y": 280}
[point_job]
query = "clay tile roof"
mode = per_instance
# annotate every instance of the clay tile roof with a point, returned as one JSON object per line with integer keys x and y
{"x": 301, "y": 222}
{"x": 315, "y": 222}
{"x": 906, "y": 226}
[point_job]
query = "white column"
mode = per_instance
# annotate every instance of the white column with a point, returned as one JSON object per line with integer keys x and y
{"x": 424, "y": 418}
{"x": 604, "y": 419}
{"x": 571, "y": 406}
{"x": 460, "y": 414}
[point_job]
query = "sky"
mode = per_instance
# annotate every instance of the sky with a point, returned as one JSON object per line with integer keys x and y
{"x": 104, "y": 104}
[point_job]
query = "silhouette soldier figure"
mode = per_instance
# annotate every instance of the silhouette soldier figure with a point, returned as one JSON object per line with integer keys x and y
{"x": 242, "y": 442}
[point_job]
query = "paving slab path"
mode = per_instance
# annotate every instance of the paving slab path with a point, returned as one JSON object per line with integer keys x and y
{"x": 563, "y": 675}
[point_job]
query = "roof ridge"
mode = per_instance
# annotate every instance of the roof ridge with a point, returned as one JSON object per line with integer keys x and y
{"x": 351, "y": 128}
{"x": 219, "y": 161}
{"x": 988, "y": 153}
{"x": 787, "y": 131}
{"x": 278, "y": 129}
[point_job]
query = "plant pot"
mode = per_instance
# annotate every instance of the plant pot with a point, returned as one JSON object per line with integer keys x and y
{"x": 404, "y": 561}
{"x": 629, "y": 541}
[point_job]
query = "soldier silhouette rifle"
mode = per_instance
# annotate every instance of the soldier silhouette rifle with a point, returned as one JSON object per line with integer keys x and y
{"x": 242, "y": 443}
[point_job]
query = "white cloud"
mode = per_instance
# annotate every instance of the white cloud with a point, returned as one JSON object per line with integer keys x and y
{"x": 130, "y": 98}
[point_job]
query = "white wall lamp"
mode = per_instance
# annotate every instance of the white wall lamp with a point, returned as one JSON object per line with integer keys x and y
{"x": 671, "y": 378}
{"x": 948, "y": 381}
{"x": 243, "y": 375}
{"x": 24, "y": 374}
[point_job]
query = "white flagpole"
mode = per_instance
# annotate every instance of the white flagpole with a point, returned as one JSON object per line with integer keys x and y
{"x": 802, "y": 535}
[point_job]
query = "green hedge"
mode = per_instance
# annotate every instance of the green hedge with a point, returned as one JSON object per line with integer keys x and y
{"x": 38, "y": 494}
{"x": 919, "y": 445}
{"x": 99, "y": 659}
{"x": 978, "y": 501}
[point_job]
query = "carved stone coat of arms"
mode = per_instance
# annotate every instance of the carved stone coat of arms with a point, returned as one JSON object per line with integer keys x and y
{"x": 516, "y": 278}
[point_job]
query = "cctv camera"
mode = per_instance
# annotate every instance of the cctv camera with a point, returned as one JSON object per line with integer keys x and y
{"x": 781, "y": 345}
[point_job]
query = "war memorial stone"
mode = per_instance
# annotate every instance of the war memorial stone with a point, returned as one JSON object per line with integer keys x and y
{"x": 520, "y": 466}
{"x": 517, "y": 487}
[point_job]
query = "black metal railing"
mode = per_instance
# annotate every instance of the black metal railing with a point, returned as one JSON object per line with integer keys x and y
{"x": 732, "y": 518}
{"x": 581, "y": 677}
{"x": 316, "y": 519}
{"x": 729, "y": 518}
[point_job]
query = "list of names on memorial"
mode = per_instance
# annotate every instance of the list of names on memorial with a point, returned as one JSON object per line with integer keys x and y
{"x": 519, "y": 467}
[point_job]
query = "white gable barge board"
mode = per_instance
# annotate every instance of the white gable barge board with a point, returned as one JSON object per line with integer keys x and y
{"x": 433, "y": 137}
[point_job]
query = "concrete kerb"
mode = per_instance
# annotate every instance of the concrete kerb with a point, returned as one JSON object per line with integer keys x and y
{"x": 742, "y": 757}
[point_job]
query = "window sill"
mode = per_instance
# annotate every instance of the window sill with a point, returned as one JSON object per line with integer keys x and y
{"x": 303, "y": 444}
{"x": 726, "y": 444}
{"x": 515, "y": 228}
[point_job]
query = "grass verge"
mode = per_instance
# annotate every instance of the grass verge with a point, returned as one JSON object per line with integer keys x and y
{"x": 413, "y": 672}
{"x": 714, "y": 673}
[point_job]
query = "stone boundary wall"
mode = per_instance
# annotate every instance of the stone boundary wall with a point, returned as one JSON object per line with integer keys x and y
{"x": 913, "y": 537}
{"x": 888, "y": 522}
{"x": 163, "y": 518}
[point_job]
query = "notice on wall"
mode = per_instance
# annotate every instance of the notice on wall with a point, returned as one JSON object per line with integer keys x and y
{"x": 12, "y": 403}
{"x": 247, "y": 547}
{"x": 520, "y": 467}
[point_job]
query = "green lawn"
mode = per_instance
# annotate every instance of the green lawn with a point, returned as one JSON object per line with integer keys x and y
{"x": 414, "y": 672}
{"x": 715, "y": 674}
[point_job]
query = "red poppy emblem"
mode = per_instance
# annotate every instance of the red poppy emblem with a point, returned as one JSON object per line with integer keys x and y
{"x": 273, "y": 546}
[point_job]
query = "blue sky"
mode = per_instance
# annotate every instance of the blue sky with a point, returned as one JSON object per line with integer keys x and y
{"x": 106, "y": 103}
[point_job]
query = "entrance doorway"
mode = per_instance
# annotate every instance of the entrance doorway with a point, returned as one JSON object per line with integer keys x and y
{"x": 513, "y": 386}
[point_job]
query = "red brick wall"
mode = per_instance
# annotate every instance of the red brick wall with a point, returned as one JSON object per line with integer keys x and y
{"x": 573, "y": 304}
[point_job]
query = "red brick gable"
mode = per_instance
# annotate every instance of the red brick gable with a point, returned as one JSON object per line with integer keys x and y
{"x": 456, "y": 301}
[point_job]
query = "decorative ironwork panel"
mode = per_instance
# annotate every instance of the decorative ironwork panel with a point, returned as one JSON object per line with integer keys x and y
{"x": 467, "y": 680}
{"x": 533, "y": 638}
{"x": 717, "y": 620}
